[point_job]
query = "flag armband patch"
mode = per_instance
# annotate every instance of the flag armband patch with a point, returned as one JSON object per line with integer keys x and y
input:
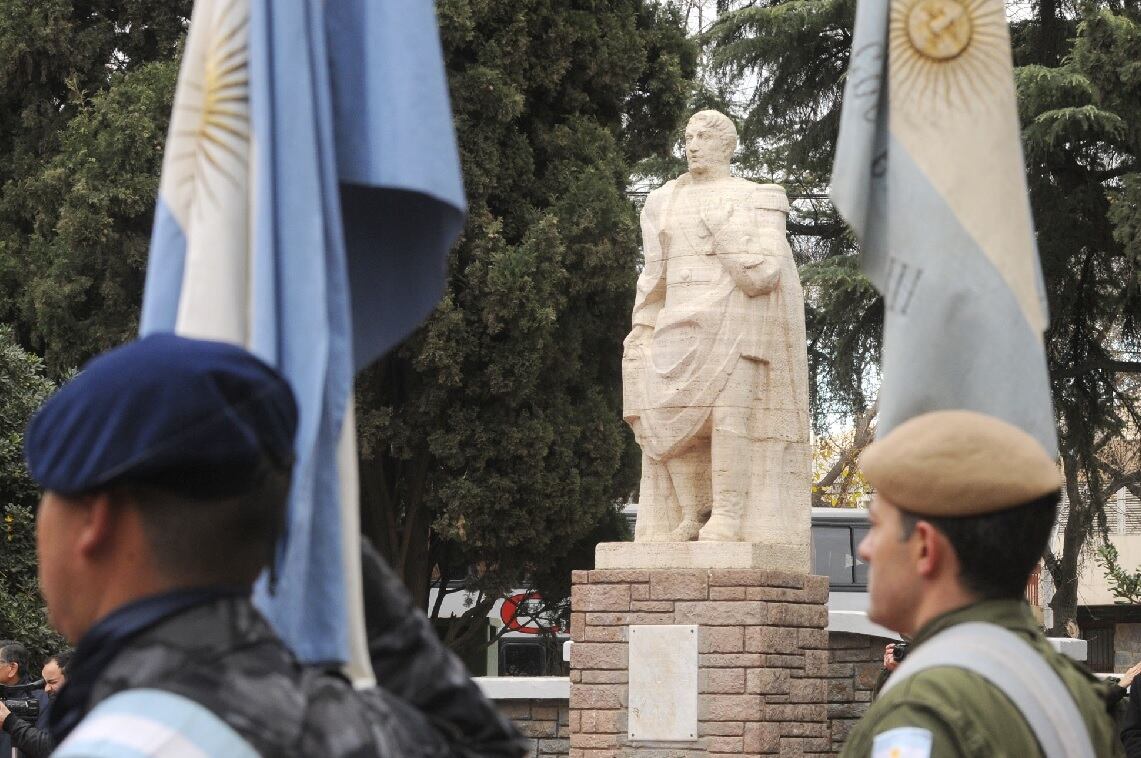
{"x": 903, "y": 742}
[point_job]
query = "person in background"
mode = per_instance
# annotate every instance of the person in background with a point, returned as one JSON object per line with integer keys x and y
{"x": 963, "y": 509}
{"x": 35, "y": 741}
{"x": 54, "y": 672}
{"x": 30, "y": 739}
{"x": 893, "y": 655}
{"x": 1131, "y": 722}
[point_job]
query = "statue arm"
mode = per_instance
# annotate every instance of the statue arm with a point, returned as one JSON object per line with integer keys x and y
{"x": 757, "y": 269}
{"x": 749, "y": 246}
{"x": 651, "y": 292}
{"x": 648, "y": 301}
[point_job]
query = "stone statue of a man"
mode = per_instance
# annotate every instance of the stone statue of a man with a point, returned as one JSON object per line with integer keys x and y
{"x": 715, "y": 370}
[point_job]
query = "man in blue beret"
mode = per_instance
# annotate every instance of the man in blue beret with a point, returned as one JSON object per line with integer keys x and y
{"x": 166, "y": 466}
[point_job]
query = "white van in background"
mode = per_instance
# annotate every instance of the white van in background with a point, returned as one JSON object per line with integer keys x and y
{"x": 836, "y": 533}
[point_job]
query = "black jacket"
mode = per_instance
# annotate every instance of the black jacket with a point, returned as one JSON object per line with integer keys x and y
{"x": 32, "y": 740}
{"x": 1131, "y": 724}
{"x": 221, "y": 654}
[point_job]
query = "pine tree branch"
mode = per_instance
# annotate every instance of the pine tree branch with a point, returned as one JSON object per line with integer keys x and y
{"x": 1100, "y": 364}
{"x": 824, "y": 230}
{"x": 1115, "y": 173}
{"x": 1130, "y": 481}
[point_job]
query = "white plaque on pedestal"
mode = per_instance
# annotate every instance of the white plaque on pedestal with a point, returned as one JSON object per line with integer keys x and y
{"x": 663, "y": 683}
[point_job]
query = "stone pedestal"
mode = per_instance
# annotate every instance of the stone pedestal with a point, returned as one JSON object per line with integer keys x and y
{"x": 788, "y": 556}
{"x": 762, "y": 659}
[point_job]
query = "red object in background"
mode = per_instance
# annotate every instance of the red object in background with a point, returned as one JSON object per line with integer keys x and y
{"x": 1032, "y": 584}
{"x": 509, "y": 613}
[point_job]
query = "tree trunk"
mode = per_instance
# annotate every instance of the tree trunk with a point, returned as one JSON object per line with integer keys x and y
{"x": 399, "y": 526}
{"x": 1065, "y": 601}
{"x": 1051, "y": 33}
{"x": 1064, "y": 569}
{"x": 862, "y": 435}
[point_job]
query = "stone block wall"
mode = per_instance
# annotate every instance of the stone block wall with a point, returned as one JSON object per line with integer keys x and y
{"x": 763, "y": 659}
{"x": 543, "y": 722}
{"x": 854, "y": 663}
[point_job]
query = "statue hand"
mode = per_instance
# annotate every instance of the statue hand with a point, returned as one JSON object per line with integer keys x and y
{"x": 753, "y": 274}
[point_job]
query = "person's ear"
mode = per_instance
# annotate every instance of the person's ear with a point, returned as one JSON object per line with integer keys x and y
{"x": 99, "y": 525}
{"x": 931, "y": 550}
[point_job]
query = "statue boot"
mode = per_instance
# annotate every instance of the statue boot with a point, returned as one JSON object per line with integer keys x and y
{"x": 658, "y": 513}
{"x": 694, "y": 515}
{"x": 730, "y": 446}
{"x": 689, "y": 527}
{"x": 690, "y": 488}
{"x": 725, "y": 523}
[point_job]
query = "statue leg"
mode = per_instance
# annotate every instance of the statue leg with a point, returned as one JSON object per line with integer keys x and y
{"x": 730, "y": 475}
{"x": 731, "y": 454}
{"x": 688, "y": 477}
{"x": 658, "y": 511}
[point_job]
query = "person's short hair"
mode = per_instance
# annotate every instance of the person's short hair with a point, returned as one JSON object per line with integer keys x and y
{"x": 996, "y": 551}
{"x": 215, "y": 541}
{"x": 721, "y": 124}
{"x": 12, "y": 651}
{"x": 62, "y": 659}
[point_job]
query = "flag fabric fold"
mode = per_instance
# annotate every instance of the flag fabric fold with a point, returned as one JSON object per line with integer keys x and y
{"x": 309, "y": 195}
{"x": 929, "y": 174}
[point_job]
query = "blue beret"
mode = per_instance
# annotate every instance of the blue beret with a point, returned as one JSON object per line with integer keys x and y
{"x": 198, "y": 418}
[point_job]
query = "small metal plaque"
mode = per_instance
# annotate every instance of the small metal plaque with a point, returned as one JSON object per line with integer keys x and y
{"x": 663, "y": 683}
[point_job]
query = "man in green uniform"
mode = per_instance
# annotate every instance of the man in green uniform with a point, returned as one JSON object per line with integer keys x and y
{"x": 964, "y": 506}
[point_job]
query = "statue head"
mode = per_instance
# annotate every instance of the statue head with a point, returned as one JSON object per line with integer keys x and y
{"x": 710, "y": 139}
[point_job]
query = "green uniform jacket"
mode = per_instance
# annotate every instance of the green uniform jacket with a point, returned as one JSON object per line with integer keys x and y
{"x": 966, "y": 715}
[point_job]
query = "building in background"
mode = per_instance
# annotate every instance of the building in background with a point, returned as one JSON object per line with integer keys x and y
{"x": 1111, "y": 628}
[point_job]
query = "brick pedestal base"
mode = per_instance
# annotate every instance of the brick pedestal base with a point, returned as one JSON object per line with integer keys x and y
{"x": 762, "y": 659}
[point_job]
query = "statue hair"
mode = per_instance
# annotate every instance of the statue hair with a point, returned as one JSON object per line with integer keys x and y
{"x": 717, "y": 122}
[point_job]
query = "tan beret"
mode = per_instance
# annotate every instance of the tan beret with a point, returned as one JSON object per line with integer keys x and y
{"x": 958, "y": 463}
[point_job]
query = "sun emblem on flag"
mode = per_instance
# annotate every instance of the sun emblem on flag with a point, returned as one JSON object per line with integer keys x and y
{"x": 209, "y": 136}
{"x": 946, "y": 54}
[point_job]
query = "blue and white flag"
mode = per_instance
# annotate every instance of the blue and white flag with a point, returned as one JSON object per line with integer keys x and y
{"x": 929, "y": 174}
{"x": 310, "y": 192}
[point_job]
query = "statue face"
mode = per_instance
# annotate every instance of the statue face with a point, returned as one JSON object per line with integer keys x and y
{"x": 706, "y": 147}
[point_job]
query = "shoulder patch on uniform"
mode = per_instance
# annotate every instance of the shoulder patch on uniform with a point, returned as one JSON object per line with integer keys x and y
{"x": 902, "y": 742}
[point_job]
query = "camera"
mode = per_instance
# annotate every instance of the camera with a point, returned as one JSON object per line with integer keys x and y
{"x": 26, "y": 708}
{"x": 19, "y": 700}
{"x": 899, "y": 652}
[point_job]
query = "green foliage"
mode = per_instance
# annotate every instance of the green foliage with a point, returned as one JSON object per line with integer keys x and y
{"x": 493, "y": 439}
{"x": 492, "y": 443}
{"x": 793, "y": 56}
{"x": 1125, "y": 586}
{"x": 797, "y": 51}
{"x": 85, "y": 91}
{"x": 1078, "y": 74}
{"x": 22, "y": 614}
{"x": 844, "y": 324}
{"x": 97, "y": 196}
{"x": 1082, "y": 147}
{"x": 23, "y": 387}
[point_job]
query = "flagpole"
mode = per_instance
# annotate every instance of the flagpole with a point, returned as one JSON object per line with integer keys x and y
{"x": 358, "y": 668}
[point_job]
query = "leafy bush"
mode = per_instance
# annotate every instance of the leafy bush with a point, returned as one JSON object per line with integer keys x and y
{"x": 23, "y": 388}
